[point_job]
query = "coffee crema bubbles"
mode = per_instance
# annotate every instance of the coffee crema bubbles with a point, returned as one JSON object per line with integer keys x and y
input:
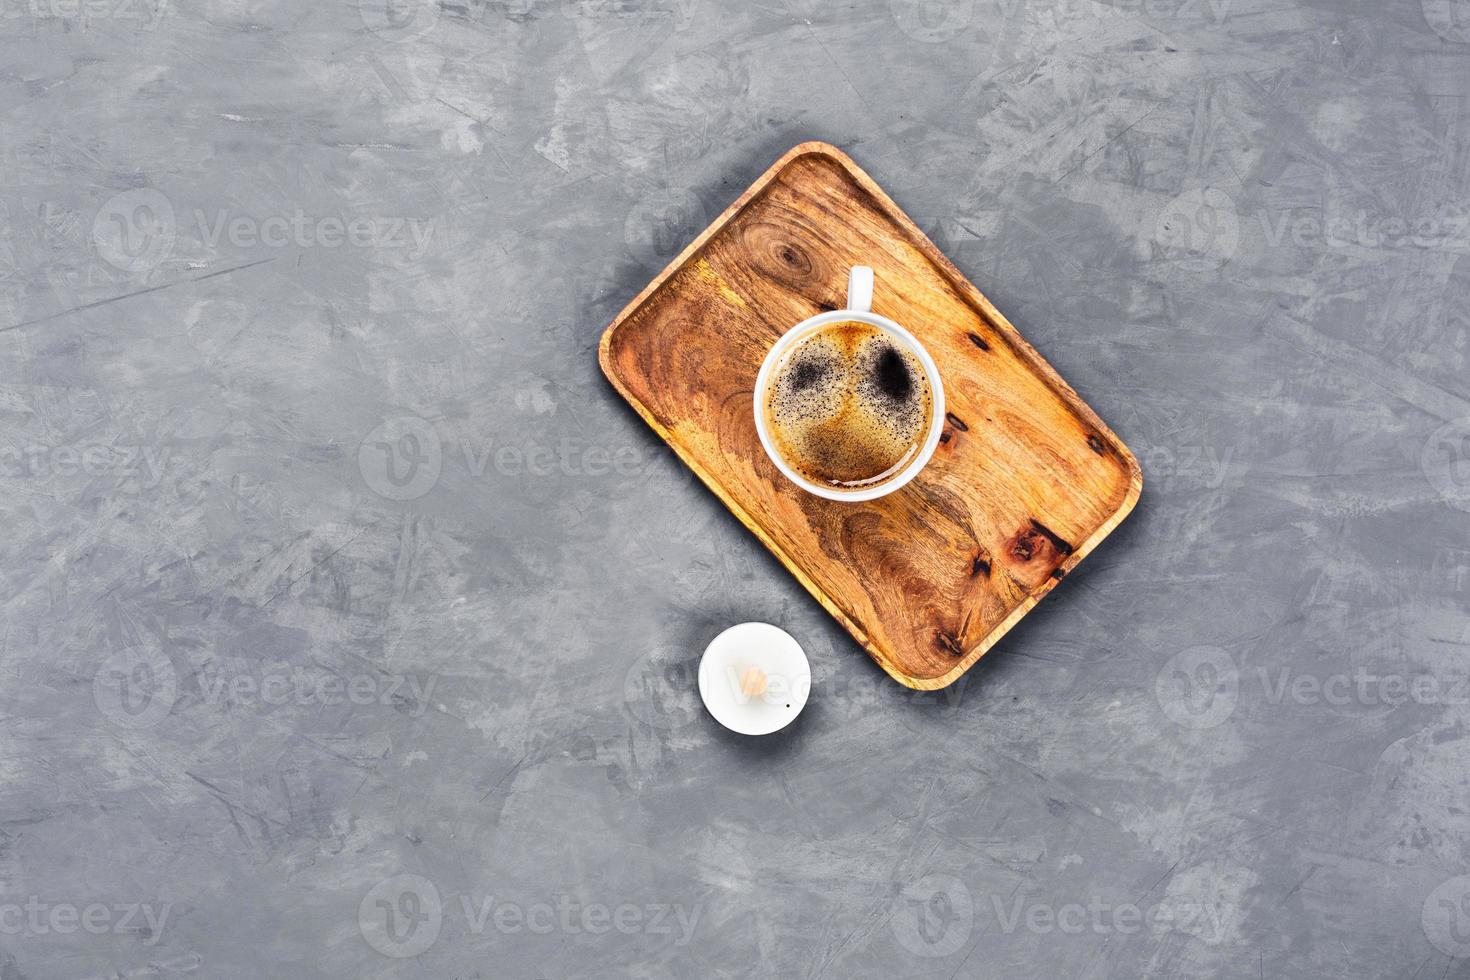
{"x": 848, "y": 406}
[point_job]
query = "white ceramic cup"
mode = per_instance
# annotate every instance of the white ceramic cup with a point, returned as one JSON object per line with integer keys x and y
{"x": 784, "y": 678}
{"x": 859, "y": 309}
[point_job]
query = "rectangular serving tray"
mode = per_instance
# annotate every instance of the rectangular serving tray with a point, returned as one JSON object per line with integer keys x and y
{"x": 1027, "y": 479}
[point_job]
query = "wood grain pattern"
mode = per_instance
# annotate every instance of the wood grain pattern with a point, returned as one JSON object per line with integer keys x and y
{"x": 1026, "y": 481}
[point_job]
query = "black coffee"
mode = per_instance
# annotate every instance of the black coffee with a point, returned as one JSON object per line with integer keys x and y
{"x": 848, "y": 406}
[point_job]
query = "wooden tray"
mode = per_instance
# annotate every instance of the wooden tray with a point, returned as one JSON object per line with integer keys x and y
{"x": 1026, "y": 481}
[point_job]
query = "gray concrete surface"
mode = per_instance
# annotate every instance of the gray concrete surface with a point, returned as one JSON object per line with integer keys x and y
{"x": 348, "y": 615}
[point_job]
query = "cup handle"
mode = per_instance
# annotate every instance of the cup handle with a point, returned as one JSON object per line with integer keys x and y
{"x": 860, "y": 289}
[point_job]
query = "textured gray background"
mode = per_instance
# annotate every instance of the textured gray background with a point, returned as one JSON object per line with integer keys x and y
{"x": 348, "y": 614}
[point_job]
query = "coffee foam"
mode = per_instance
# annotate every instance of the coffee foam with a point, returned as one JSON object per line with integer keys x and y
{"x": 849, "y": 406}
